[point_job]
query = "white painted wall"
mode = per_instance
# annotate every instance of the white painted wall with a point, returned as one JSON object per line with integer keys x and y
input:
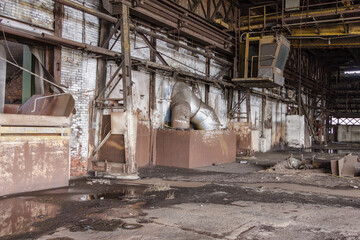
{"x": 348, "y": 133}
{"x": 295, "y": 131}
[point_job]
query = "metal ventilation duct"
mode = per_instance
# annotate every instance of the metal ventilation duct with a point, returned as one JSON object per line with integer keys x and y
{"x": 273, "y": 52}
{"x": 186, "y": 107}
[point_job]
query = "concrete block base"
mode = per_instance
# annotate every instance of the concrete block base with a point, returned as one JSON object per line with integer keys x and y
{"x": 194, "y": 148}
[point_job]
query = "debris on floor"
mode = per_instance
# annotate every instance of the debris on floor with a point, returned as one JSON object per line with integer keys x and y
{"x": 292, "y": 163}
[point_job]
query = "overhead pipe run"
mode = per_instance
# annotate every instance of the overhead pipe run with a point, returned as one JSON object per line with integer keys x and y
{"x": 187, "y": 108}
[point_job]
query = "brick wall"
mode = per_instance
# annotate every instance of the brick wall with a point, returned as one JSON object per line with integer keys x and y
{"x": 35, "y": 12}
{"x": 78, "y": 73}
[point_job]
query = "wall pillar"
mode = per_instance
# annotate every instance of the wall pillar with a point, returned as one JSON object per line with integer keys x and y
{"x": 2, "y": 78}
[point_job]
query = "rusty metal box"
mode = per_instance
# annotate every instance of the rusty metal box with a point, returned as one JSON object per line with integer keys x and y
{"x": 195, "y": 148}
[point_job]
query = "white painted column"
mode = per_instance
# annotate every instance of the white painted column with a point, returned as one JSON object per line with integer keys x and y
{"x": 2, "y": 78}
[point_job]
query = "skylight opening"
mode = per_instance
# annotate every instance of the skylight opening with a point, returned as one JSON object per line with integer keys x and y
{"x": 352, "y": 72}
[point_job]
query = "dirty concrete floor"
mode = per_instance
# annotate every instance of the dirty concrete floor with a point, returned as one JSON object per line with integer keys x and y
{"x": 243, "y": 200}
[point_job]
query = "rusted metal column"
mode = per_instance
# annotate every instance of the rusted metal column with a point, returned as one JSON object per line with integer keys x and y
{"x": 101, "y": 63}
{"x": 207, "y": 86}
{"x": 239, "y": 102}
{"x": 59, "y": 15}
{"x": 152, "y": 102}
{"x": 263, "y": 117}
{"x": 152, "y": 88}
{"x": 2, "y": 78}
{"x": 100, "y": 84}
{"x": 248, "y": 109}
{"x": 323, "y": 120}
{"x": 299, "y": 86}
{"x": 125, "y": 50}
{"x": 131, "y": 119}
{"x": 230, "y": 99}
{"x": 247, "y": 46}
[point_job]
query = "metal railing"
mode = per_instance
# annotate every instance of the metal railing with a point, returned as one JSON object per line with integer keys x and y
{"x": 272, "y": 13}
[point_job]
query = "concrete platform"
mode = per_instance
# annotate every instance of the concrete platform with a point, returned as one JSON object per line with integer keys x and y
{"x": 194, "y": 148}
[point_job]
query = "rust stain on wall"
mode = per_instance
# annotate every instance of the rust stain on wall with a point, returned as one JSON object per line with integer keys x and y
{"x": 143, "y": 145}
{"x": 243, "y": 137}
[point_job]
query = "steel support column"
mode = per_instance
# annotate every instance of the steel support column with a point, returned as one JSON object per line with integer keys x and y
{"x": 130, "y": 133}
{"x": 125, "y": 50}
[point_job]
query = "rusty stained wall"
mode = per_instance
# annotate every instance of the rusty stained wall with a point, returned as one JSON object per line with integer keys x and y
{"x": 274, "y": 125}
{"x": 243, "y": 137}
{"x": 33, "y": 163}
{"x": 271, "y": 134}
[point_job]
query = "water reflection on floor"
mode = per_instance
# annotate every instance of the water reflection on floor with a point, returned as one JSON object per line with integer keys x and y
{"x": 17, "y": 215}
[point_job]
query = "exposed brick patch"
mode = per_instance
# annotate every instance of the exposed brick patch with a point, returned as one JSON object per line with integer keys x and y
{"x": 78, "y": 167}
{"x": 13, "y": 90}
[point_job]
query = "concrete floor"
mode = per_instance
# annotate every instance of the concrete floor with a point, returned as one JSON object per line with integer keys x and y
{"x": 244, "y": 200}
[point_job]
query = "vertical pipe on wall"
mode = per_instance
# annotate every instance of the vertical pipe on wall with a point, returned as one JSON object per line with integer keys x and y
{"x": 152, "y": 102}
{"x": 207, "y": 86}
{"x": 58, "y": 26}
{"x": 28, "y": 79}
{"x": 2, "y": 78}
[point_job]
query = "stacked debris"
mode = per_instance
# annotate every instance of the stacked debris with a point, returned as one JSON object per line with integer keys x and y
{"x": 348, "y": 166}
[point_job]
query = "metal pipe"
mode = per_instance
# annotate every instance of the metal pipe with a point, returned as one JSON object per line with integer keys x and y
{"x": 187, "y": 108}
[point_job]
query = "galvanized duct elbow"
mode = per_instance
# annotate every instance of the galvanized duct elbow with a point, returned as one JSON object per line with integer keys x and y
{"x": 186, "y": 107}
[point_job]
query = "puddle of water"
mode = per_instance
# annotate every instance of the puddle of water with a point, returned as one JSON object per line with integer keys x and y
{"x": 17, "y": 215}
{"x": 122, "y": 192}
{"x": 171, "y": 183}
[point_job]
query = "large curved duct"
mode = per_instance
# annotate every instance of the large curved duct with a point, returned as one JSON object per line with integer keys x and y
{"x": 186, "y": 107}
